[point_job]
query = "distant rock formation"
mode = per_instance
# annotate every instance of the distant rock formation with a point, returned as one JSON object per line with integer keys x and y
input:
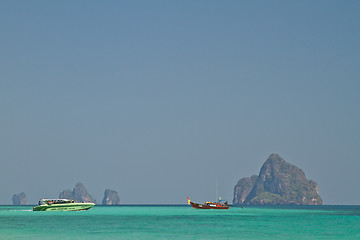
{"x": 66, "y": 194}
{"x": 79, "y": 194}
{"x": 278, "y": 183}
{"x": 19, "y": 199}
{"x": 111, "y": 197}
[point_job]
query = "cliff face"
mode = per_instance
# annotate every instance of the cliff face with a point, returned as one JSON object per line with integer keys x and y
{"x": 79, "y": 194}
{"x": 19, "y": 199}
{"x": 243, "y": 188}
{"x": 111, "y": 197}
{"x": 281, "y": 183}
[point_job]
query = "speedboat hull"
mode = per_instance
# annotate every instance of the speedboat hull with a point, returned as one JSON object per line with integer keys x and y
{"x": 64, "y": 207}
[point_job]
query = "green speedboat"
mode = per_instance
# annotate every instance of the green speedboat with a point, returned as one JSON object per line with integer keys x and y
{"x": 61, "y": 205}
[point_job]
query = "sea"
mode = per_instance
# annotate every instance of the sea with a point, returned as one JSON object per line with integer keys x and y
{"x": 182, "y": 222}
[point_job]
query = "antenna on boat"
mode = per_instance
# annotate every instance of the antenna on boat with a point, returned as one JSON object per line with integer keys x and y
{"x": 216, "y": 197}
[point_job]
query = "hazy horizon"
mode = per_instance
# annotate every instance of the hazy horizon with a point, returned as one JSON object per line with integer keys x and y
{"x": 162, "y": 100}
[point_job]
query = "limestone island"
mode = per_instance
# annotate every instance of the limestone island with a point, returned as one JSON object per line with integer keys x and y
{"x": 278, "y": 183}
{"x": 111, "y": 197}
{"x": 19, "y": 199}
{"x": 79, "y": 194}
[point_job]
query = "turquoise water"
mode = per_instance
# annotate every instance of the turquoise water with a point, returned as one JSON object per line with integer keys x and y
{"x": 182, "y": 222}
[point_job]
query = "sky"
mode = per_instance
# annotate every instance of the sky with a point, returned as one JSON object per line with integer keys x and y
{"x": 161, "y": 100}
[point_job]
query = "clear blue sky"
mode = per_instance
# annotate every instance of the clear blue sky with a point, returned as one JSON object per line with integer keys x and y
{"x": 158, "y": 99}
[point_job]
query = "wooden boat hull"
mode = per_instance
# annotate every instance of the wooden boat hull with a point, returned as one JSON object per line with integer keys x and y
{"x": 208, "y": 206}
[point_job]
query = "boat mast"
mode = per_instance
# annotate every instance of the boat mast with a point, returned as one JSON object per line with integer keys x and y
{"x": 216, "y": 197}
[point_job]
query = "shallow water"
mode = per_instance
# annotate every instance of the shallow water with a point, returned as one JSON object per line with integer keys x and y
{"x": 182, "y": 222}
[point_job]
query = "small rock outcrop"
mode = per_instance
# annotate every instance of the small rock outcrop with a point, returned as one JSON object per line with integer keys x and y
{"x": 19, "y": 199}
{"x": 111, "y": 197}
{"x": 79, "y": 194}
{"x": 278, "y": 183}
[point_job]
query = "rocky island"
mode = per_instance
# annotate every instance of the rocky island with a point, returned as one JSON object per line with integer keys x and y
{"x": 19, "y": 199}
{"x": 79, "y": 194}
{"x": 278, "y": 183}
{"x": 111, "y": 197}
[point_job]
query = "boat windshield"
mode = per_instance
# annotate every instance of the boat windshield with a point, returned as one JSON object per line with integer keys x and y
{"x": 56, "y": 201}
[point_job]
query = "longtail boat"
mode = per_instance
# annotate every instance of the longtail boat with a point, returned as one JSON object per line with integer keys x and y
{"x": 208, "y": 205}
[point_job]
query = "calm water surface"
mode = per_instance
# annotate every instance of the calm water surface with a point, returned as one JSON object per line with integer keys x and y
{"x": 182, "y": 222}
